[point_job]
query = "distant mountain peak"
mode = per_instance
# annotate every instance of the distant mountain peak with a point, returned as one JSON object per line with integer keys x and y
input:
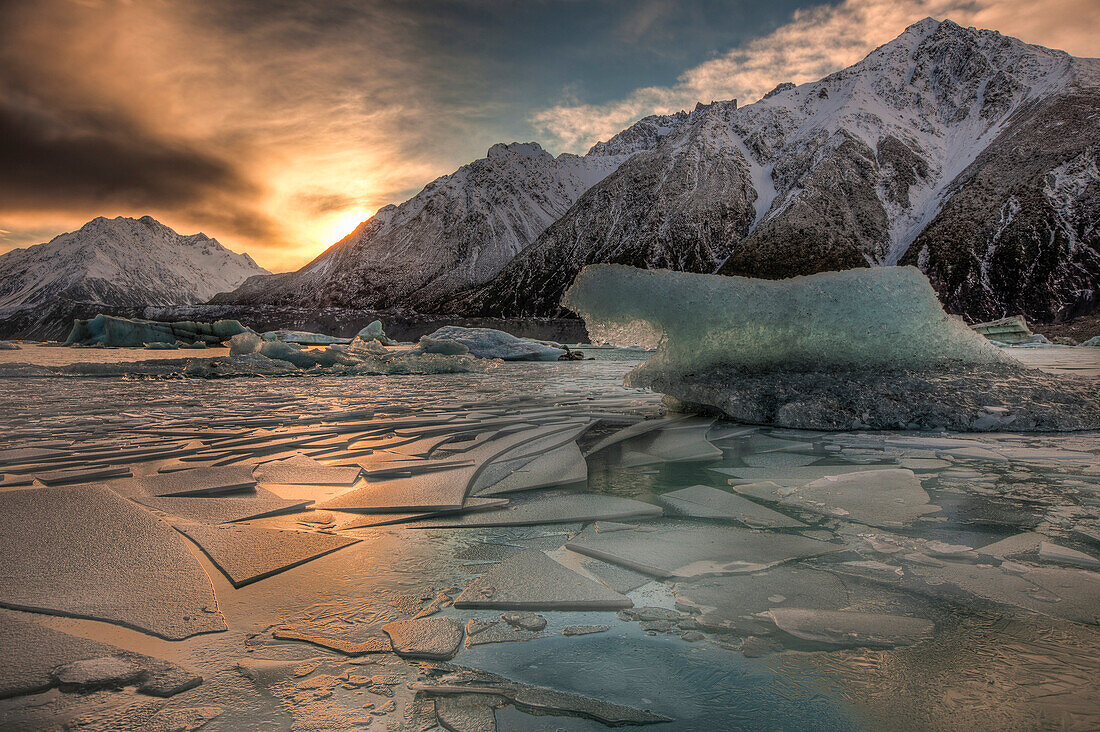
{"x": 122, "y": 261}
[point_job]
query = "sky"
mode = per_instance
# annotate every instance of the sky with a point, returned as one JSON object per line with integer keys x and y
{"x": 277, "y": 126}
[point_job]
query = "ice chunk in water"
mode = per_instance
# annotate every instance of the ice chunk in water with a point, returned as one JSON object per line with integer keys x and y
{"x": 851, "y": 629}
{"x": 697, "y": 551}
{"x": 9, "y": 346}
{"x": 245, "y": 343}
{"x": 303, "y": 337}
{"x": 107, "y": 330}
{"x": 531, "y": 580}
{"x": 433, "y": 638}
{"x": 886, "y": 498}
{"x": 489, "y": 343}
{"x": 374, "y": 332}
{"x": 838, "y": 350}
{"x": 701, "y": 501}
{"x": 883, "y": 317}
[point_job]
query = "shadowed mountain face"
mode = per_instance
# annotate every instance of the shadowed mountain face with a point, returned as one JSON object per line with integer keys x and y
{"x": 966, "y": 152}
{"x": 1019, "y": 229}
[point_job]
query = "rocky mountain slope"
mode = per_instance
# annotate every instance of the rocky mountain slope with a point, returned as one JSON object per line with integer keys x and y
{"x": 458, "y": 232}
{"x": 121, "y": 261}
{"x": 966, "y": 152}
{"x": 850, "y": 171}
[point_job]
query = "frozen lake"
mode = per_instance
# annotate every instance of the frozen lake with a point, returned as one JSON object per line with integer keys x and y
{"x": 795, "y": 579}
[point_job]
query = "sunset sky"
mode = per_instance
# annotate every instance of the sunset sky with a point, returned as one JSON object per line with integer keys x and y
{"x": 277, "y": 126}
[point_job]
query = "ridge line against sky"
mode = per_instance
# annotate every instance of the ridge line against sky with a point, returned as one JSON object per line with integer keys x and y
{"x": 277, "y": 128}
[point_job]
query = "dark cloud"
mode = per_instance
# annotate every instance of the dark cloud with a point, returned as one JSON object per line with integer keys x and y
{"x": 98, "y": 157}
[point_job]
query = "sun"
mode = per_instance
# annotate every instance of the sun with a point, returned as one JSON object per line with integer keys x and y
{"x": 329, "y": 229}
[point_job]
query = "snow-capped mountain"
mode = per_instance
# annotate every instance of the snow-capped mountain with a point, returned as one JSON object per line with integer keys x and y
{"x": 969, "y": 153}
{"x": 121, "y": 261}
{"x": 850, "y": 171}
{"x": 458, "y": 232}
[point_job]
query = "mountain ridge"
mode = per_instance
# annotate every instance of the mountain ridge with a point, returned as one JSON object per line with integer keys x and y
{"x": 121, "y": 261}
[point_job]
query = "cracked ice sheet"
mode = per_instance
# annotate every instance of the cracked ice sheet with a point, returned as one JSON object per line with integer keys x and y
{"x": 701, "y": 501}
{"x": 561, "y": 508}
{"x": 143, "y": 576}
{"x": 692, "y": 550}
{"x": 303, "y": 470}
{"x": 531, "y": 580}
{"x": 793, "y": 476}
{"x": 220, "y": 509}
{"x": 246, "y": 554}
{"x": 35, "y": 658}
{"x": 436, "y": 491}
{"x": 884, "y": 498}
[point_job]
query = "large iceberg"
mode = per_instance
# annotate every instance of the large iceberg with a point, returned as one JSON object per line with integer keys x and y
{"x": 107, "y": 330}
{"x": 864, "y": 348}
{"x": 488, "y": 343}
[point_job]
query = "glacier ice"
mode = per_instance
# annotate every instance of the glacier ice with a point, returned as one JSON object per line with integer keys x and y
{"x": 444, "y": 346}
{"x": 108, "y": 330}
{"x": 303, "y": 337}
{"x": 489, "y": 343}
{"x": 244, "y": 343}
{"x": 374, "y": 332}
{"x": 885, "y": 317}
{"x": 859, "y": 349}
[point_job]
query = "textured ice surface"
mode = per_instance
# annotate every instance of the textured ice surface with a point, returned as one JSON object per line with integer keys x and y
{"x": 35, "y": 658}
{"x": 489, "y": 343}
{"x": 303, "y": 337}
{"x": 95, "y": 555}
{"x": 863, "y": 348}
{"x": 433, "y": 638}
{"x": 851, "y": 629}
{"x": 531, "y": 580}
{"x": 883, "y": 317}
{"x": 108, "y": 330}
{"x": 246, "y": 554}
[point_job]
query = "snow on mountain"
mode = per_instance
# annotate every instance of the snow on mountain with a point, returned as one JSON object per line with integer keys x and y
{"x": 907, "y": 156}
{"x": 458, "y": 232}
{"x": 844, "y": 172}
{"x": 121, "y": 261}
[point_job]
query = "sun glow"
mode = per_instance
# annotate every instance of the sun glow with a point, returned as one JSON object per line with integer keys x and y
{"x": 330, "y": 229}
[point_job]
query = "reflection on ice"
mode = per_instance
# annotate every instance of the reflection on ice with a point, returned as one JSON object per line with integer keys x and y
{"x": 393, "y": 553}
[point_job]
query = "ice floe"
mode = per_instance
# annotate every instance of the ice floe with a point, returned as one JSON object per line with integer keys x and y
{"x": 700, "y": 501}
{"x": 107, "y": 330}
{"x": 142, "y": 575}
{"x": 863, "y": 348}
{"x": 489, "y": 343}
{"x": 531, "y": 580}
{"x": 697, "y": 551}
{"x": 433, "y": 638}
{"x": 246, "y": 554}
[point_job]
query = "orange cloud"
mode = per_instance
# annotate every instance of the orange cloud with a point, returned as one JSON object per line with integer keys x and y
{"x": 813, "y": 44}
